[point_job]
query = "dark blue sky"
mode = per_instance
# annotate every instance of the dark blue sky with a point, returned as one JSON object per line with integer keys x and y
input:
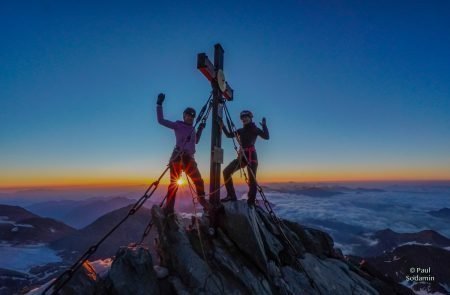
{"x": 350, "y": 90}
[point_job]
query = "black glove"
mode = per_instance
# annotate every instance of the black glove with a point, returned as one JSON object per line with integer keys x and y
{"x": 202, "y": 125}
{"x": 161, "y": 98}
{"x": 263, "y": 123}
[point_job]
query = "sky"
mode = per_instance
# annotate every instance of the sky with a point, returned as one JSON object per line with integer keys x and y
{"x": 351, "y": 90}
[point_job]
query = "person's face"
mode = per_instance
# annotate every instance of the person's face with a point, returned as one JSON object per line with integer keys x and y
{"x": 245, "y": 120}
{"x": 188, "y": 119}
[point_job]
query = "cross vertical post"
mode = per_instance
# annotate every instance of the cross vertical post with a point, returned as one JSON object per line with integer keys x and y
{"x": 221, "y": 91}
{"x": 216, "y": 134}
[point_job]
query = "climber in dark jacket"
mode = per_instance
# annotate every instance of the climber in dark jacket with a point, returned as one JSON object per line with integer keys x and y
{"x": 182, "y": 158}
{"x": 247, "y": 137}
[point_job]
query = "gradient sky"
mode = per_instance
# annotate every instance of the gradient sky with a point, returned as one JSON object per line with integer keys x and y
{"x": 354, "y": 90}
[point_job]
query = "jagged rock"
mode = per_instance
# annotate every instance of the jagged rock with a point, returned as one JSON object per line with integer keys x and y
{"x": 253, "y": 280}
{"x": 332, "y": 276}
{"x": 315, "y": 241}
{"x": 161, "y": 272}
{"x": 383, "y": 284}
{"x": 247, "y": 255}
{"x": 241, "y": 226}
{"x": 338, "y": 253}
{"x": 180, "y": 256}
{"x": 297, "y": 281}
{"x": 132, "y": 272}
{"x": 84, "y": 281}
{"x": 267, "y": 221}
{"x": 178, "y": 286}
{"x": 288, "y": 253}
{"x": 277, "y": 279}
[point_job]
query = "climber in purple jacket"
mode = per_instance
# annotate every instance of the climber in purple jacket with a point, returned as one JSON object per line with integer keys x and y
{"x": 182, "y": 158}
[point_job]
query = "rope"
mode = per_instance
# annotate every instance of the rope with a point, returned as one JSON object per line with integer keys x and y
{"x": 65, "y": 277}
{"x": 278, "y": 222}
{"x": 232, "y": 127}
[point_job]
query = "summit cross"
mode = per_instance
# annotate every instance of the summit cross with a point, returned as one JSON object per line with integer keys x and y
{"x": 221, "y": 92}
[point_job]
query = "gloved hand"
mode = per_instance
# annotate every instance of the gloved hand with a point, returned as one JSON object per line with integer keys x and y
{"x": 161, "y": 98}
{"x": 202, "y": 125}
{"x": 263, "y": 123}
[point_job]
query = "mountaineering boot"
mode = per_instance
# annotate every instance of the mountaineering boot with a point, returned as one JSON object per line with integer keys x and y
{"x": 229, "y": 198}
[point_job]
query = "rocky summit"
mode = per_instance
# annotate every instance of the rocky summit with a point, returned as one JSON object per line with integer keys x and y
{"x": 247, "y": 253}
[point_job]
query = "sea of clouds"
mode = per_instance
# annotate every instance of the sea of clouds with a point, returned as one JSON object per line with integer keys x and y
{"x": 350, "y": 217}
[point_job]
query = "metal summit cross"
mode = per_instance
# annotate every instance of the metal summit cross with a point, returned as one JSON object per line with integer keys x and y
{"x": 221, "y": 91}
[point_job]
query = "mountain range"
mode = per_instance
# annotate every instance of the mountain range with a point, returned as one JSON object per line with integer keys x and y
{"x": 79, "y": 213}
{"x": 19, "y": 226}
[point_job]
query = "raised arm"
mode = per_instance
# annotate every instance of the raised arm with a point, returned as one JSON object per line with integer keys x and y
{"x": 160, "y": 113}
{"x": 264, "y": 133}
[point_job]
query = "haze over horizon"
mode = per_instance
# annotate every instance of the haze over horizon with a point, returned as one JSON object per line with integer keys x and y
{"x": 351, "y": 91}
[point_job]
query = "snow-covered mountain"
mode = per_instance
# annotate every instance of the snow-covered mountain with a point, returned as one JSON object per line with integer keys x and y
{"x": 387, "y": 240}
{"x": 24, "y": 263}
{"x": 19, "y": 226}
{"x": 424, "y": 269}
{"x": 25, "y": 258}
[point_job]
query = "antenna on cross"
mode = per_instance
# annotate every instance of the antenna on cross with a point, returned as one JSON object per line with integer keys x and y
{"x": 221, "y": 91}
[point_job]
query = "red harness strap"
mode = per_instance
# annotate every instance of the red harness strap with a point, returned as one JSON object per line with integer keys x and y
{"x": 250, "y": 151}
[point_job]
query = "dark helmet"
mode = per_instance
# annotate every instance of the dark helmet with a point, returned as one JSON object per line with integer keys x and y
{"x": 246, "y": 113}
{"x": 189, "y": 111}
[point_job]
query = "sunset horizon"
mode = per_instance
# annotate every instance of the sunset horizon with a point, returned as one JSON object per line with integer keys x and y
{"x": 142, "y": 183}
{"x": 305, "y": 147}
{"x": 369, "y": 102}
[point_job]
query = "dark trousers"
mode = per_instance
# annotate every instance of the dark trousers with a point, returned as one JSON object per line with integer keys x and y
{"x": 177, "y": 166}
{"x": 234, "y": 166}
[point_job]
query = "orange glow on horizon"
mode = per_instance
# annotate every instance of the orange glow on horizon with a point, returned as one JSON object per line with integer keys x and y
{"x": 27, "y": 179}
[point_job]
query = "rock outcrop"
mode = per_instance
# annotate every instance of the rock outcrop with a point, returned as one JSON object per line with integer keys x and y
{"x": 245, "y": 254}
{"x": 248, "y": 255}
{"x": 132, "y": 272}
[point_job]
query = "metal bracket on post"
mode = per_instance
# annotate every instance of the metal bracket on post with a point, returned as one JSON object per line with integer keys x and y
{"x": 218, "y": 155}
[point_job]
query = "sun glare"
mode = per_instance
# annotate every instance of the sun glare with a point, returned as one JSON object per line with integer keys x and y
{"x": 180, "y": 181}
